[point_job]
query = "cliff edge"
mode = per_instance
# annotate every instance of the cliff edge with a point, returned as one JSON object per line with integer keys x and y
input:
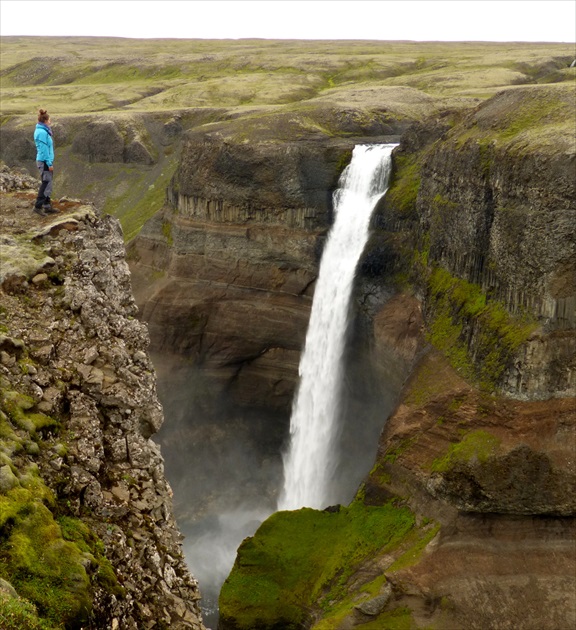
{"x": 88, "y": 535}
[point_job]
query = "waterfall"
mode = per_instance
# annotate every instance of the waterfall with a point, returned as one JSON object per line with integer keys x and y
{"x": 309, "y": 462}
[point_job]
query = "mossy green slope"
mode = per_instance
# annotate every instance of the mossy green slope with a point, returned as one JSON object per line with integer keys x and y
{"x": 298, "y": 564}
{"x": 454, "y": 306}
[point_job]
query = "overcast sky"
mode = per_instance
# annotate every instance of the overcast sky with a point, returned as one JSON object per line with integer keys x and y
{"x": 427, "y": 20}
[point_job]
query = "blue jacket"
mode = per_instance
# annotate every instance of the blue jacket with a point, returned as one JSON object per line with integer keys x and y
{"x": 44, "y": 144}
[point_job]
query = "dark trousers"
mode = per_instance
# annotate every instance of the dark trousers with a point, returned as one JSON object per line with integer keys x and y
{"x": 45, "y": 189}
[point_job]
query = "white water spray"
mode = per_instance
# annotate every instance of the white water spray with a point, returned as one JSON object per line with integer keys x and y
{"x": 310, "y": 461}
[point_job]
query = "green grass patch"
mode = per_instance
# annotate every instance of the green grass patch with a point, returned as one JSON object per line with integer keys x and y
{"x": 76, "y": 531}
{"x": 140, "y": 202}
{"x": 415, "y": 542}
{"x": 304, "y": 558}
{"x": 379, "y": 474}
{"x": 523, "y": 120}
{"x": 543, "y": 108}
{"x": 167, "y": 232}
{"x": 115, "y": 74}
{"x": 421, "y": 538}
{"x": 397, "y": 619}
{"x": 475, "y": 446}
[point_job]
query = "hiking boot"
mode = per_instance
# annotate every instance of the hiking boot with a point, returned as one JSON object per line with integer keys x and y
{"x": 39, "y": 211}
{"x": 49, "y": 209}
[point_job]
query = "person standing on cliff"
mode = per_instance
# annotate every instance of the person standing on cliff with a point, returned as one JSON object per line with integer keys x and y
{"x": 44, "y": 162}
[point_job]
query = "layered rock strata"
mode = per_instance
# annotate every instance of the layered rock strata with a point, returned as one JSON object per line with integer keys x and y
{"x": 225, "y": 272}
{"x": 476, "y": 240}
{"x": 73, "y": 352}
{"x": 488, "y": 198}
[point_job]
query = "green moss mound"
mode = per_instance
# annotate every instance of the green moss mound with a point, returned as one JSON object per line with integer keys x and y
{"x": 52, "y": 560}
{"x": 303, "y": 559}
{"x": 17, "y": 613}
{"x": 43, "y": 568}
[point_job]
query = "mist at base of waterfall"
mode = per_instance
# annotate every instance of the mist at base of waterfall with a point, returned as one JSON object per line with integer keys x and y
{"x": 211, "y": 548}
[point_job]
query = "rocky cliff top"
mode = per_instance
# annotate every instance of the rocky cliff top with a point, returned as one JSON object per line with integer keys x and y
{"x": 89, "y": 539}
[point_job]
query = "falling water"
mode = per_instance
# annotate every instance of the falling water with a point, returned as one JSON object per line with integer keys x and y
{"x": 309, "y": 463}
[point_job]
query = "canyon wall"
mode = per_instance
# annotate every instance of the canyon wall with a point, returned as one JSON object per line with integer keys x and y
{"x": 88, "y": 533}
{"x": 473, "y": 483}
{"x": 494, "y": 214}
{"x": 461, "y": 350}
{"x": 462, "y": 343}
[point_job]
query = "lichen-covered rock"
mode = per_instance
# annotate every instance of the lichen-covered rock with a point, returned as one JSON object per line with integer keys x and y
{"x": 11, "y": 179}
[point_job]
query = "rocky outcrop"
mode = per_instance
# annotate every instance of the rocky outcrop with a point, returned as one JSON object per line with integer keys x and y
{"x": 79, "y": 407}
{"x": 106, "y": 141}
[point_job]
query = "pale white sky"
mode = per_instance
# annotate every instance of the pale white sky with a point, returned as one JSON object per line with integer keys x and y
{"x": 419, "y": 20}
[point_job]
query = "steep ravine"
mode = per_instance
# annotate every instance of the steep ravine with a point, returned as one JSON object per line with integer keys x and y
{"x": 461, "y": 358}
{"x": 88, "y": 537}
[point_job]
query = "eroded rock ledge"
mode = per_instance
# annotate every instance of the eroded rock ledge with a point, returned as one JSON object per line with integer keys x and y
{"x": 78, "y": 408}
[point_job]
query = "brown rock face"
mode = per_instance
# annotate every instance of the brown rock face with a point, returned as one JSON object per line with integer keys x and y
{"x": 493, "y": 208}
{"x": 481, "y": 454}
{"x": 224, "y": 274}
{"x": 499, "y": 477}
{"x": 494, "y": 572}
